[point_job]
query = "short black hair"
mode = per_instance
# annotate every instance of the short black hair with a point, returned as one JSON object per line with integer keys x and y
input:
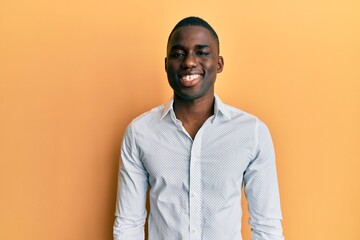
{"x": 196, "y": 21}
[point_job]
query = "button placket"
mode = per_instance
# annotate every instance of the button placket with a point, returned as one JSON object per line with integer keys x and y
{"x": 195, "y": 188}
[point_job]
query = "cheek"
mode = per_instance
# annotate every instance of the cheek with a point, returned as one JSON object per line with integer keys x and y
{"x": 171, "y": 68}
{"x": 210, "y": 64}
{"x": 211, "y": 68}
{"x": 171, "y": 74}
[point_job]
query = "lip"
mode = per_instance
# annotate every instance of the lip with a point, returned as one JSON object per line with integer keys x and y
{"x": 190, "y": 79}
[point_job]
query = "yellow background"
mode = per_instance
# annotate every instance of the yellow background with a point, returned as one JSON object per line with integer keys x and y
{"x": 74, "y": 73}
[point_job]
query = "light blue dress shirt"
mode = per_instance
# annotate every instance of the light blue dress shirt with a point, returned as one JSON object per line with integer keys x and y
{"x": 195, "y": 184}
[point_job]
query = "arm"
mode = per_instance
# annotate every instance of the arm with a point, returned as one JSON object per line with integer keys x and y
{"x": 261, "y": 189}
{"x": 130, "y": 212}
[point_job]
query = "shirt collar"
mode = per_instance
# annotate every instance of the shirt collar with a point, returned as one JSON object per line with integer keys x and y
{"x": 168, "y": 106}
{"x": 219, "y": 108}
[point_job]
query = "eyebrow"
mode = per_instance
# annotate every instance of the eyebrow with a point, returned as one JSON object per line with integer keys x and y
{"x": 179, "y": 46}
{"x": 201, "y": 46}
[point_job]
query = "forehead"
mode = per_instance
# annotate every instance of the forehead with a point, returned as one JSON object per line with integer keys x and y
{"x": 190, "y": 36}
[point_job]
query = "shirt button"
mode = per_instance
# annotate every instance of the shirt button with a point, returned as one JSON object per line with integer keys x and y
{"x": 194, "y": 196}
{"x": 193, "y": 231}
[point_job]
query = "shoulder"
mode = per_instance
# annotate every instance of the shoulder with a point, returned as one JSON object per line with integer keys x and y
{"x": 245, "y": 119}
{"x": 237, "y": 114}
{"x": 148, "y": 118}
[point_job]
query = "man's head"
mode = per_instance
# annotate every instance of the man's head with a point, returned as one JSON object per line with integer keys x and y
{"x": 193, "y": 60}
{"x": 196, "y": 21}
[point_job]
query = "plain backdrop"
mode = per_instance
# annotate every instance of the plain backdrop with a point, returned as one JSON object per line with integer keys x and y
{"x": 74, "y": 73}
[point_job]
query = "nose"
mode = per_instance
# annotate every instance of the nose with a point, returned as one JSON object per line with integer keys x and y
{"x": 189, "y": 61}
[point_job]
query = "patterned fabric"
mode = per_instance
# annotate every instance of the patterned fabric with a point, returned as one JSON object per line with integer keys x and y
{"x": 195, "y": 185}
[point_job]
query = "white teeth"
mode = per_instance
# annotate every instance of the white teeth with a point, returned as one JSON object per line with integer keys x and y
{"x": 190, "y": 77}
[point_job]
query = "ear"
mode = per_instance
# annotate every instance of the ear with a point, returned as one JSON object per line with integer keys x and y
{"x": 165, "y": 63}
{"x": 220, "y": 64}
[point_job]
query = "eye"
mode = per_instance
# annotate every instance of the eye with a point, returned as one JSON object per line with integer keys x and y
{"x": 202, "y": 53}
{"x": 177, "y": 54}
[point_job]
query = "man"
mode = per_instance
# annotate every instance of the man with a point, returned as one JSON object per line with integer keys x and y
{"x": 195, "y": 153}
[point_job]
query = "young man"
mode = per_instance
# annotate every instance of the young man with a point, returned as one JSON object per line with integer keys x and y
{"x": 195, "y": 153}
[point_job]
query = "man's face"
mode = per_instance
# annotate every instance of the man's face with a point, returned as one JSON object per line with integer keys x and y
{"x": 192, "y": 62}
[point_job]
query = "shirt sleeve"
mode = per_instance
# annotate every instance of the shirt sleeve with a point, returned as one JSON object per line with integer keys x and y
{"x": 130, "y": 211}
{"x": 261, "y": 189}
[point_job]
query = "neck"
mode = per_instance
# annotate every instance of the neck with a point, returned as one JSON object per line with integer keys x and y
{"x": 194, "y": 111}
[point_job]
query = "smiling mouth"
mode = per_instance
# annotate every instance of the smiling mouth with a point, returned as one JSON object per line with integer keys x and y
{"x": 189, "y": 80}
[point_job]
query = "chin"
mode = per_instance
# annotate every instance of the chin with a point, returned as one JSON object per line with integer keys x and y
{"x": 188, "y": 96}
